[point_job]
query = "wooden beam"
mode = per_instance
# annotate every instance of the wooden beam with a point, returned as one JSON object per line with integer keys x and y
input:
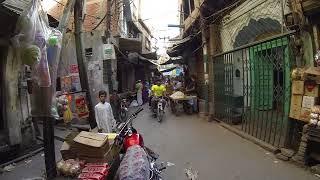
{"x": 311, "y": 6}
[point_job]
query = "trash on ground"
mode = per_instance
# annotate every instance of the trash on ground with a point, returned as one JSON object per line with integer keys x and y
{"x": 28, "y": 161}
{"x": 9, "y": 168}
{"x": 35, "y": 178}
{"x": 169, "y": 164}
{"x": 191, "y": 174}
{"x": 276, "y": 162}
{"x": 317, "y": 175}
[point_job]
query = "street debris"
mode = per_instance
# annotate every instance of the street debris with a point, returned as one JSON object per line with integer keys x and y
{"x": 42, "y": 155}
{"x": 35, "y": 178}
{"x": 317, "y": 175}
{"x": 28, "y": 161}
{"x": 9, "y": 168}
{"x": 169, "y": 164}
{"x": 191, "y": 174}
{"x": 276, "y": 162}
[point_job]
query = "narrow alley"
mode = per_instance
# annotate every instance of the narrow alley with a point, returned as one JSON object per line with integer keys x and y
{"x": 213, "y": 151}
{"x": 191, "y": 142}
{"x": 242, "y": 78}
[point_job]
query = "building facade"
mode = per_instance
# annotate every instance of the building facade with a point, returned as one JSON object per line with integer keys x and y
{"x": 246, "y": 52}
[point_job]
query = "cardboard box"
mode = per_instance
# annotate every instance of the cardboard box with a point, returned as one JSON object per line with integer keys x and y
{"x": 298, "y": 87}
{"x": 66, "y": 152}
{"x": 305, "y": 114}
{"x": 296, "y": 101}
{"x": 311, "y": 90}
{"x": 313, "y": 73}
{"x": 309, "y": 102}
{"x": 91, "y": 144}
{"x": 295, "y": 112}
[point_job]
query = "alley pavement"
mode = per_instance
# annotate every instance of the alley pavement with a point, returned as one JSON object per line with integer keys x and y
{"x": 206, "y": 149}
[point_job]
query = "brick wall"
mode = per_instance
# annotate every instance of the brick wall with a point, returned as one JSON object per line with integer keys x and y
{"x": 95, "y": 11}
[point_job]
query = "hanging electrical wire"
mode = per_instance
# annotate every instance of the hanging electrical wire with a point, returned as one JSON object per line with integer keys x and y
{"x": 107, "y": 13}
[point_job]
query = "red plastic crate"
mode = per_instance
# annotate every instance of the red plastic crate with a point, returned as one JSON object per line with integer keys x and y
{"x": 91, "y": 176}
{"x": 97, "y": 165}
{"x": 93, "y": 169}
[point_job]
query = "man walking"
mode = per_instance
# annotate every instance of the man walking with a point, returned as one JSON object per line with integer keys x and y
{"x": 104, "y": 116}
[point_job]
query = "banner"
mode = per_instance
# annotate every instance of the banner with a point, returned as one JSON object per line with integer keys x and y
{"x": 81, "y": 107}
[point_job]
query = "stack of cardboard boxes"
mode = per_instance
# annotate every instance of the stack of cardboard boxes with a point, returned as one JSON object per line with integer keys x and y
{"x": 305, "y": 95}
{"x": 90, "y": 147}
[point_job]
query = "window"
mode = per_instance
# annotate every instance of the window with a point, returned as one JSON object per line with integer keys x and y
{"x": 148, "y": 44}
{"x": 186, "y": 9}
{"x": 191, "y": 5}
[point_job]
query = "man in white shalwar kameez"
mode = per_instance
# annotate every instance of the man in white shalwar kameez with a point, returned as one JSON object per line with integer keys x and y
{"x": 104, "y": 116}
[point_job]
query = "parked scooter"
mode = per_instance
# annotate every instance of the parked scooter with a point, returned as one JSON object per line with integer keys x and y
{"x": 139, "y": 162}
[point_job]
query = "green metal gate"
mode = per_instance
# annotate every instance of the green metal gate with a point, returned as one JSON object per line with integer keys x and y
{"x": 252, "y": 89}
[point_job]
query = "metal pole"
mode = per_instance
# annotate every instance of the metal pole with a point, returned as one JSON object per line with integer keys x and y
{"x": 80, "y": 58}
{"x": 205, "y": 62}
{"x": 49, "y": 148}
{"x": 45, "y": 96}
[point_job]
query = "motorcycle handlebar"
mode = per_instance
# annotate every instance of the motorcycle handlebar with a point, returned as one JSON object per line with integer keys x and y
{"x": 138, "y": 111}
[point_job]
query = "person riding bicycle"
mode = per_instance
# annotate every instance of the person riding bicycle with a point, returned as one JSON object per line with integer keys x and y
{"x": 158, "y": 90}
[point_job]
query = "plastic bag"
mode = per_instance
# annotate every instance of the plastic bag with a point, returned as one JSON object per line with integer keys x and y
{"x": 67, "y": 115}
{"x": 33, "y": 33}
{"x": 317, "y": 58}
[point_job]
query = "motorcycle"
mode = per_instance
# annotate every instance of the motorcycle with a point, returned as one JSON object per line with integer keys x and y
{"x": 123, "y": 110}
{"x": 159, "y": 109}
{"x": 139, "y": 162}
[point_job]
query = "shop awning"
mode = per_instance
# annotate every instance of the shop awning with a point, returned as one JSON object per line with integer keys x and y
{"x": 136, "y": 58}
{"x": 168, "y": 70}
{"x": 130, "y": 44}
{"x": 17, "y": 6}
{"x": 174, "y": 60}
{"x": 178, "y": 47}
{"x": 152, "y": 55}
{"x": 311, "y": 6}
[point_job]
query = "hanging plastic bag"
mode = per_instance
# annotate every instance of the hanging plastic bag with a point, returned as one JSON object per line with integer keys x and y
{"x": 317, "y": 58}
{"x": 53, "y": 54}
{"x": 67, "y": 115}
{"x": 33, "y": 33}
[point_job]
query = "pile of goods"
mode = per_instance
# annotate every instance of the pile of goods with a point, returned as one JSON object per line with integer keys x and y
{"x": 178, "y": 95}
{"x": 97, "y": 171}
{"x": 315, "y": 116}
{"x": 87, "y": 147}
{"x": 70, "y": 167}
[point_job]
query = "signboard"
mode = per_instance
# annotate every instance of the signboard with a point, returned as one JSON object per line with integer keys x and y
{"x": 108, "y": 51}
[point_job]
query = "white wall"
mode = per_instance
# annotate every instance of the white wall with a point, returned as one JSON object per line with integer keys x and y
{"x": 237, "y": 19}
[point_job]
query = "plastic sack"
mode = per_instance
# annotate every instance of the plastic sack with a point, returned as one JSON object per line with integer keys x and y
{"x": 67, "y": 115}
{"x": 314, "y": 116}
{"x": 70, "y": 167}
{"x": 33, "y": 33}
{"x": 135, "y": 165}
{"x": 317, "y": 58}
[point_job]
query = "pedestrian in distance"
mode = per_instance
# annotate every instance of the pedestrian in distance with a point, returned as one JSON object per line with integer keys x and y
{"x": 104, "y": 115}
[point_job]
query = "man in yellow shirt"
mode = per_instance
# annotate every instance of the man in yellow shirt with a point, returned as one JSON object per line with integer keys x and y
{"x": 158, "y": 90}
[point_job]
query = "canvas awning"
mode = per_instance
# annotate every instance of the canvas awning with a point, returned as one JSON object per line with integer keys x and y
{"x": 136, "y": 58}
{"x": 174, "y": 60}
{"x": 130, "y": 44}
{"x": 17, "y": 7}
{"x": 169, "y": 69}
{"x": 178, "y": 47}
{"x": 151, "y": 55}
